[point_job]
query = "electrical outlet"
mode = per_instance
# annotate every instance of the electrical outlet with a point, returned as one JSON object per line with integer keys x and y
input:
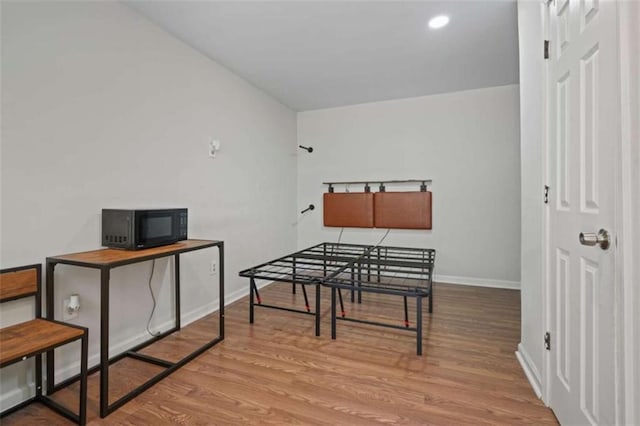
{"x": 213, "y": 267}
{"x": 66, "y": 314}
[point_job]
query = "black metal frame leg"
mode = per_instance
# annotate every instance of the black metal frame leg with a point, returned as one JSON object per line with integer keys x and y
{"x": 333, "y": 313}
{"x": 317, "y": 309}
{"x": 419, "y": 325}
{"x": 252, "y": 290}
{"x": 104, "y": 341}
{"x": 431, "y": 298}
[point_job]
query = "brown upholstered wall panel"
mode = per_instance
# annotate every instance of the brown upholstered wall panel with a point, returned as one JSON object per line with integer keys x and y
{"x": 404, "y": 210}
{"x": 348, "y": 209}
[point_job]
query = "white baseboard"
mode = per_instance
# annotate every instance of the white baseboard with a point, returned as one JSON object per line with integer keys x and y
{"x": 235, "y": 296}
{"x": 187, "y": 318}
{"x": 530, "y": 370}
{"x": 15, "y": 396}
{"x": 477, "y": 282}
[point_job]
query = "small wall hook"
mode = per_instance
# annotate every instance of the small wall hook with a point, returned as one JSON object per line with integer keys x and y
{"x": 308, "y": 148}
{"x": 311, "y": 207}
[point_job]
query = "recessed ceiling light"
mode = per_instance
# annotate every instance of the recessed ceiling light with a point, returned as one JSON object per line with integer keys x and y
{"x": 438, "y": 21}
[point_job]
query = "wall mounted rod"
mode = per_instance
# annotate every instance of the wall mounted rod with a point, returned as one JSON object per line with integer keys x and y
{"x": 311, "y": 207}
{"x": 423, "y": 183}
{"x": 365, "y": 182}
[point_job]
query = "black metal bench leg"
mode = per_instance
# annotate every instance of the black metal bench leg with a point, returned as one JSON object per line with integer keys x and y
{"x": 39, "y": 376}
{"x": 84, "y": 361}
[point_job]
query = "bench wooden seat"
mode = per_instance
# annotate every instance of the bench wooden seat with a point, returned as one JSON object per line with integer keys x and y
{"x": 34, "y": 337}
{"x": 42, "y": 335}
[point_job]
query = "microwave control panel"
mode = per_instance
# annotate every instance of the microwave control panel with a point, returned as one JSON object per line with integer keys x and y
{"x": 117, "y": 228}
{"x": 182, "y": 225}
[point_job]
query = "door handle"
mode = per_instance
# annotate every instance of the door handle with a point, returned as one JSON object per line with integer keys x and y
{"x": 592, "y": 239}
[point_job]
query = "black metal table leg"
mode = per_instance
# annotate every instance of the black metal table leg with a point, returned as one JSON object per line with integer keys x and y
{"x": 50, "y": 316}
{"x": 221, "y": 291}
{"x": 176, "y": 268}
{"x": 104, "y": 341}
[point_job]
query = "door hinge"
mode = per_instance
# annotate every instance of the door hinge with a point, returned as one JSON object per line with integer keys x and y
{"x": 546, "y": 49}
{"x": 547, "y": 341}
{"x": 546, "y": 194}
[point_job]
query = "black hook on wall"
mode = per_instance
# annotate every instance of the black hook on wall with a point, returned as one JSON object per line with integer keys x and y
{"x": 311, "y": 207}
{"x": 308, "y": 148}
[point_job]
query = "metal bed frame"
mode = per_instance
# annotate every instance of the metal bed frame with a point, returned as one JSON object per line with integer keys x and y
{"x": 401, "y": 271}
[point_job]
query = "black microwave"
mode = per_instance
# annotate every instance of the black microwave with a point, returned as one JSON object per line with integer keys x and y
{"x": 139, "y": 229}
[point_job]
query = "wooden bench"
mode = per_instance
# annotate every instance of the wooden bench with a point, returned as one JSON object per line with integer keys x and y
{"x": 37, "y": 336}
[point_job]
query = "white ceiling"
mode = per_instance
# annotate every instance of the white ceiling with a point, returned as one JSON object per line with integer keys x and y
{"x": 320, "y": 54}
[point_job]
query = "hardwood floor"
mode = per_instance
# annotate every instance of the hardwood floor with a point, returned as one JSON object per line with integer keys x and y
{"x": 277, "y": 372}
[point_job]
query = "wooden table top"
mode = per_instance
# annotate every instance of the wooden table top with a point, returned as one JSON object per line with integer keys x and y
{"x": 115, "y": 257}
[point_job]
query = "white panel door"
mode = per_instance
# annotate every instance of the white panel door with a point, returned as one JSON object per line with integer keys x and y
{"x": 583, "y": 104}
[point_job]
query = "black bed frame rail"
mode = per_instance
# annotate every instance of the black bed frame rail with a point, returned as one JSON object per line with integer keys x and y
{"x": 358, "y": 268}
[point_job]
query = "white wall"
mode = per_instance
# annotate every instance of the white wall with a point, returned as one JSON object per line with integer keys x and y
{"x": 629, "y": 210}
{"x": 101, "y": 108}
{"x": 467, "y": 142}
{"x": 532, "y": 89}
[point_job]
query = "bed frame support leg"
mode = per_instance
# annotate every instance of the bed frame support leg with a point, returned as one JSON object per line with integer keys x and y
{"x": 419, "y": 325}
{"x": 359, "y": 283}
{"x": 353, "y": 278}
{"x": 333, "y": 313}
{"x": 431, "y": 298}
{"x": 252, "y": 285}
{"x": 342, "y": 311}
{"x": 406, "y": 312}
{"x": 306, "y": 298}
{"x": 317, "y": 309}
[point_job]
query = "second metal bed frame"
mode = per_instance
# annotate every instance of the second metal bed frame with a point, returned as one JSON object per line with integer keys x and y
{"x": 401, "y": 271}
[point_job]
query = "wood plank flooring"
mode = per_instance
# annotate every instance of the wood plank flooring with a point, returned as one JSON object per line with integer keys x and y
{"x": 277, "y": 372}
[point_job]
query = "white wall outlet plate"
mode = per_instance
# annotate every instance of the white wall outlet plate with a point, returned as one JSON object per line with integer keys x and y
{"x": 66, "y": 315}
{"x": 213, "y": 267}
{"x": 214, "y": 147}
